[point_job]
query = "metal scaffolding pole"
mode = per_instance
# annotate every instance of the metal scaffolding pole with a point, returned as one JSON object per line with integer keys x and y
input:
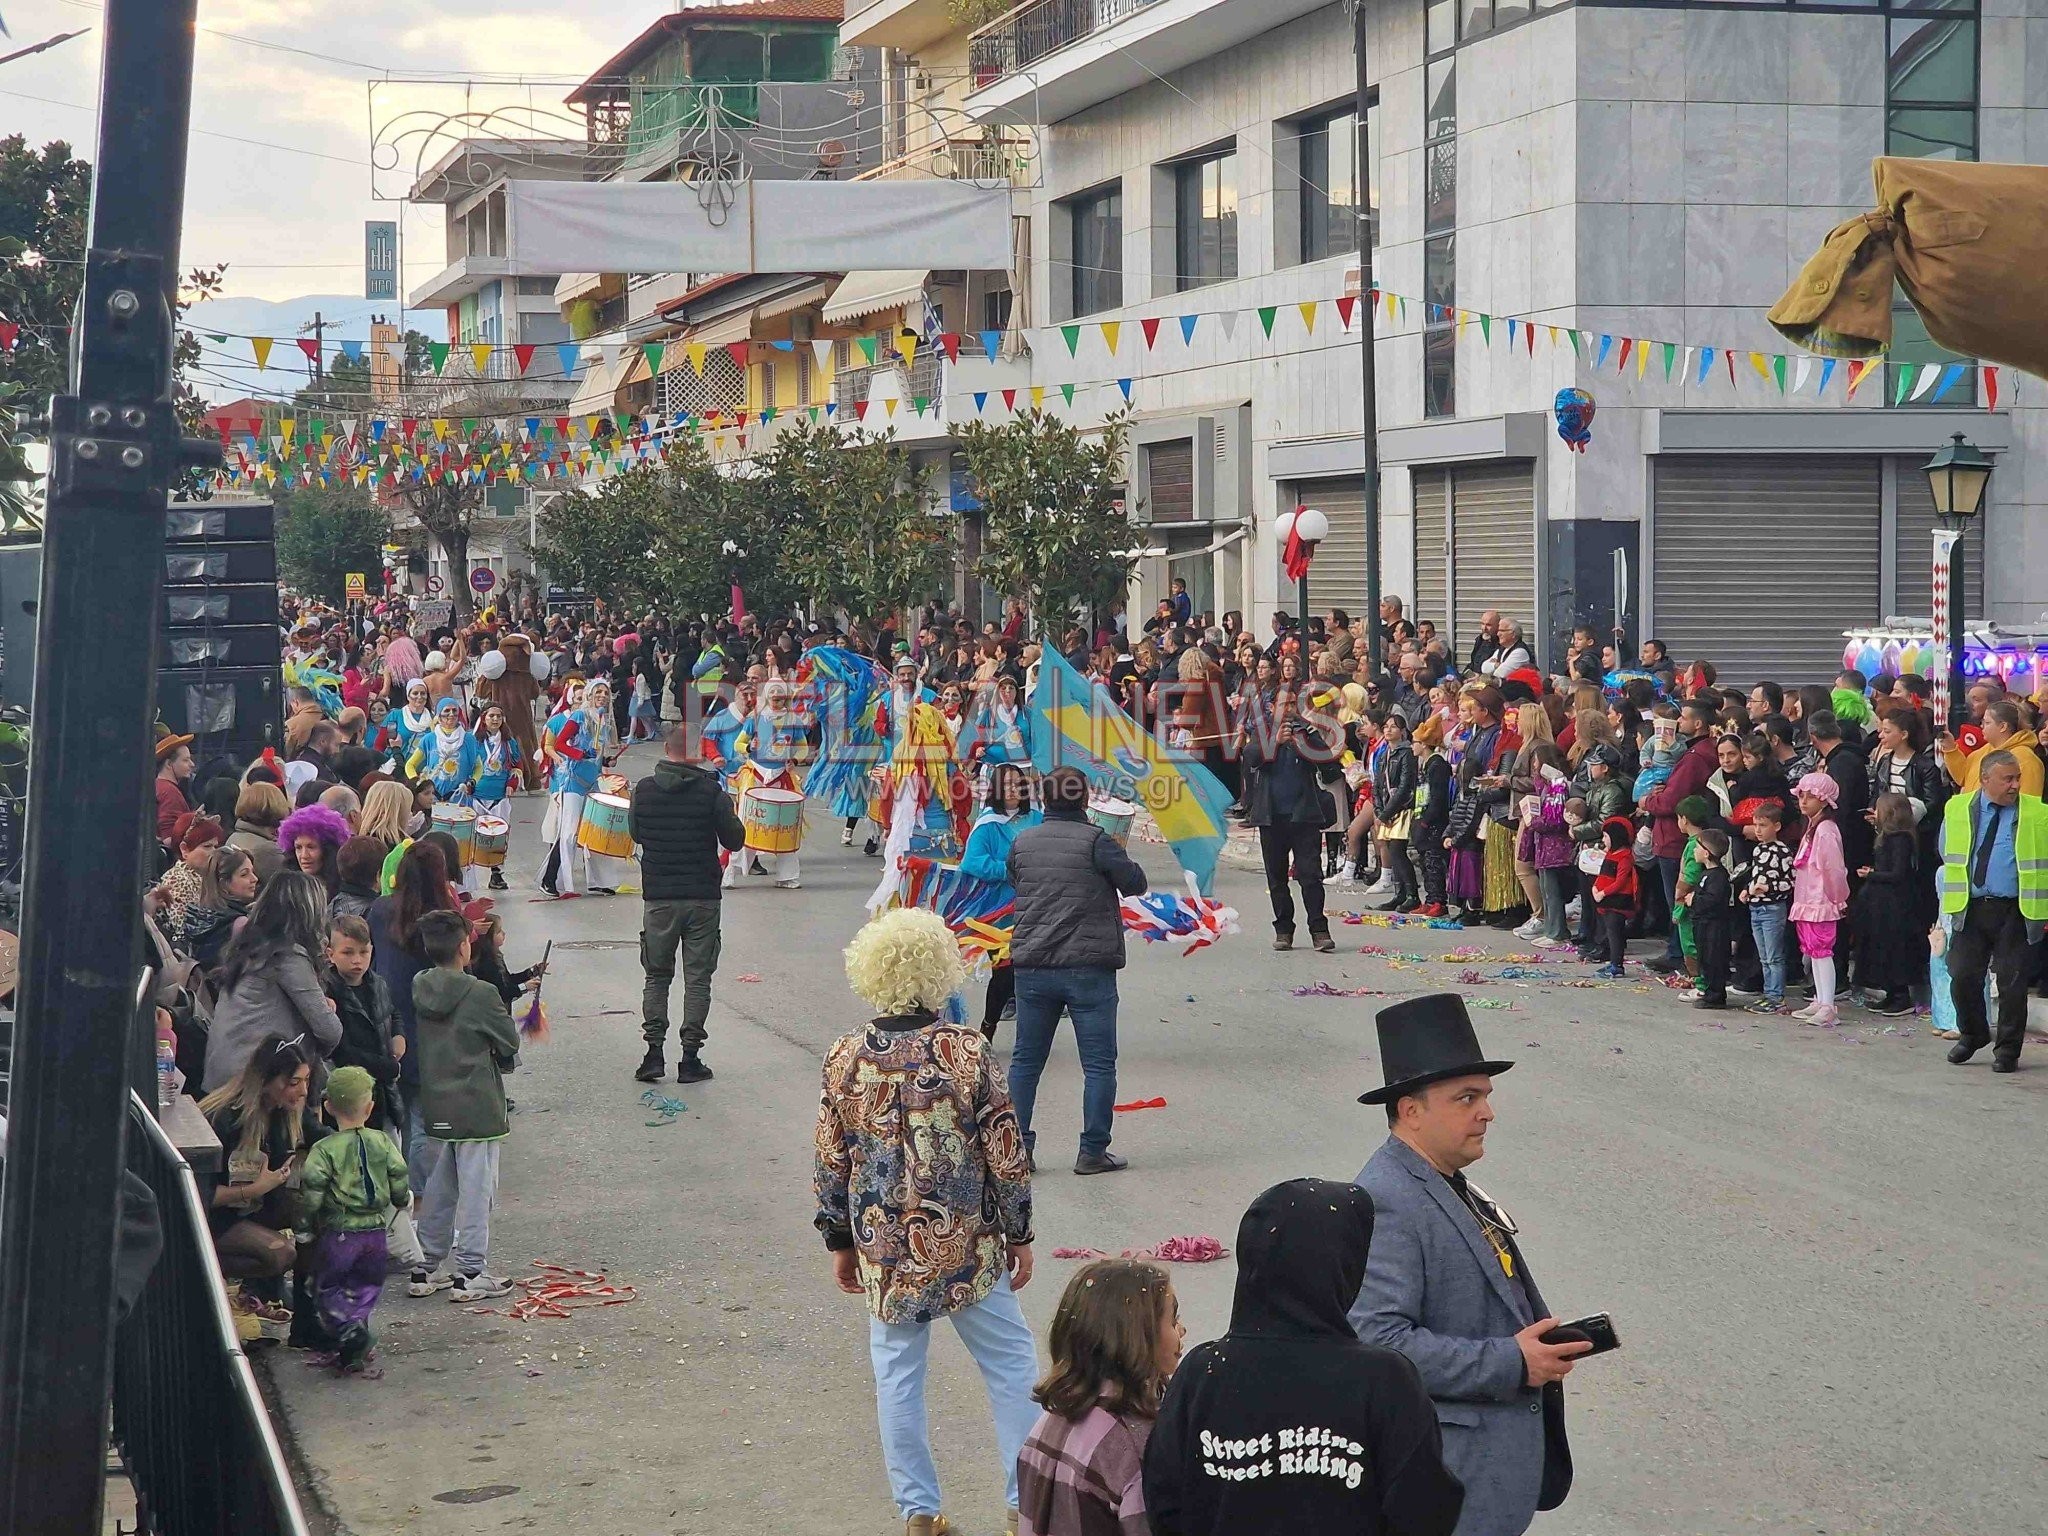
{"x": 114, "y": 448}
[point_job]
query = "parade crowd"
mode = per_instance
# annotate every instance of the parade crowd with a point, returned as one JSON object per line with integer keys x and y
{"x": 339, "y": 999}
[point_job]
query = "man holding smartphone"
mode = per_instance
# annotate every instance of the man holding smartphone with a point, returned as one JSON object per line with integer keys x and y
{"x": 1445, "y": 1281}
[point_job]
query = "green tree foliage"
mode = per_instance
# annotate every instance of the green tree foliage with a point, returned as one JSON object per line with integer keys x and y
{"x": 857, "y": 534}
{"x": 44, "y": 197}
{"x": 1055, "y": 531}
{"x": 657, "y": 536}
{"x": 324, "y": 534}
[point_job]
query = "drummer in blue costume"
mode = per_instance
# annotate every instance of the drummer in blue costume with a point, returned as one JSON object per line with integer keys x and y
{"x": 447, "y": 756}
{"x": 578, "y": 741}
{"x": 723, "y": 729}
{"x": 1007, "y": 812}
{"x": 502, "y": 761}
{"x": 775, "y": 743}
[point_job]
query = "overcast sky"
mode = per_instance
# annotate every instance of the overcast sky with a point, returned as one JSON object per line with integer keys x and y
{"x": 286, "y": 221}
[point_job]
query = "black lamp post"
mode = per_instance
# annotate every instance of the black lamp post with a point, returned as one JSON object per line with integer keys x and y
{"x": 1957, "y": 475}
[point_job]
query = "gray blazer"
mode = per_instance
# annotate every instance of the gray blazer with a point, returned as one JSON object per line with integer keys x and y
{"x": 1435, "y": 1291}
{"x": 286, "y": 999}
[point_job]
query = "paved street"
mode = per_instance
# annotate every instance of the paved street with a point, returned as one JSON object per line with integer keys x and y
{"x": 1822, "y": 1249}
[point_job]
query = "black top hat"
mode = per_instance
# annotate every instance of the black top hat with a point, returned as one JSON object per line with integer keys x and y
{"x": 1425, "y": 1040}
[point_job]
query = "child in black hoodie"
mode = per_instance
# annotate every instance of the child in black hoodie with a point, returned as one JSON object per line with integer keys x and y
{"x": 1711, "y": 906}
{"x": 362, "y": 1000}
{"x": 1289, "y": 1422}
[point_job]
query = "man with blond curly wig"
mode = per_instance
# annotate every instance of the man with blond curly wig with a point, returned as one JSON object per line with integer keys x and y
{"x": 924, "y": 1198}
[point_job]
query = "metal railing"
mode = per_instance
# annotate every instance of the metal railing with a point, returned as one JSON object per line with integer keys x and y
{"x": 923, "y": 380}
{"x": 188, "y": 1417}
{"x": 1037, "y": 28}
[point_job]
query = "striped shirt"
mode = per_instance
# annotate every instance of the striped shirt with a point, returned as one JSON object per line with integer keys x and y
{"x": 1082, "y": 1477}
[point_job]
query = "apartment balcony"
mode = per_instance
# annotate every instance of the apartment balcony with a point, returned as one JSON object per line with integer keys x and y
{"x": 905, "y": 24}
{"x": 1049, "y": 59}
{"x": 939, "y": 382}
{"x": 768, "y": 130}
{"x": 458, "y": 280}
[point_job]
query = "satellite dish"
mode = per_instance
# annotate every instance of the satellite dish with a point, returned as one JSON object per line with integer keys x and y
{"x": 831, "y": 154}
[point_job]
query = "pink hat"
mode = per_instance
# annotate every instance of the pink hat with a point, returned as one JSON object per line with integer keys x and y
{"x": 1821, "y": 787}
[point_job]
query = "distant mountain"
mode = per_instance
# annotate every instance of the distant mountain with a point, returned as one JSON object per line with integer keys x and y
{"x": 229, "y": 369}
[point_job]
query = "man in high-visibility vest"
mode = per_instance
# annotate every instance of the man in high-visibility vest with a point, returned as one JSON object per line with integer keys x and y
{"x": 1994, "y": 891}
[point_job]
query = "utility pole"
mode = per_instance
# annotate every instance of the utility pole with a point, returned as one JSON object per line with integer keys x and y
{"x": 318, "y": 330}
{"x": 115, "y": 447}
{"x": 1368, "y": 363}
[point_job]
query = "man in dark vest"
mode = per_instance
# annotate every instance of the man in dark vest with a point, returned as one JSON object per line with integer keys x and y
{"x": 1067, "y": 946}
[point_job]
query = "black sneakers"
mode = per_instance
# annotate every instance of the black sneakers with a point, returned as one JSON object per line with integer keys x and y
{"x": 691, "y": 1069}
{"x": 653, "y": 1066}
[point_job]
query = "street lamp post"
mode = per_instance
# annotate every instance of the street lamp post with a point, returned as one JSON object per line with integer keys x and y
{"x": 1957, "y": 476}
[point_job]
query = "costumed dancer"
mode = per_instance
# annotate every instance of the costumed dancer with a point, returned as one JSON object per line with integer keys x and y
{"x": 775, "y": 742}
{"x": 411, "y": 722}
{"x": 513, "y": 687}
{"x": 923, "y": 798}
{"x": 578, "y": 742}
{"x": 892, "y": 713}
{"x": 449, "y": 759}
{"x": 842, "y": 690}
{"x": 1007, "y": 812}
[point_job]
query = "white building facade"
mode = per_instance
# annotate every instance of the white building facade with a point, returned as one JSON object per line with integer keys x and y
{"x": 1610, "y": 178}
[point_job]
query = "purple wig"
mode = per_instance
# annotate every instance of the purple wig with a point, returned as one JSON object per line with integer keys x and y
{"x": 316, "y": 820}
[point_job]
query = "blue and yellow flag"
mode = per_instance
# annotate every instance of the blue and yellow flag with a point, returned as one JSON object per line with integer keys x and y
{"x": 1078, "y": 725}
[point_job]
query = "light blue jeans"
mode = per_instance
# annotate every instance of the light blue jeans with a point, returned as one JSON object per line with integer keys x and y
{"x": 455, "y": 1207}
{"x": 1767, "y": 924}
{"x": 999, "y": 1339}
{"x": 1089, "y": 996}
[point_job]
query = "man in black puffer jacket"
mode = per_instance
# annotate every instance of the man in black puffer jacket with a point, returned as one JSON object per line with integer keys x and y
{"x": 1067, "y": 946}
{"x": 681, "y": 817}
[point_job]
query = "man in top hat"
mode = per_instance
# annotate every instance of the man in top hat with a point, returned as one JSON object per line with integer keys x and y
{"x": 1445, "y": 1283}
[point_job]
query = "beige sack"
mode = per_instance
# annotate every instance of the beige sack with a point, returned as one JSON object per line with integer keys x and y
{"x": 1967, "y": 243}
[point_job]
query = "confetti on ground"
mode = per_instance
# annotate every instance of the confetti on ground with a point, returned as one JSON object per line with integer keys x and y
{"x": 746, "y": 976}
{"x": 1374, "y": 949}
{"x": 1489, "y": 1002}
{"x": 1135, "y": 1104}
{"x": 1399, "y": 920}
{"x": 663, "y": 1106}
{"x": 558, "y": 1290}
{"x": 1472, "y": 978}
{"x": 1324, "y": 989}
{"x": 1175, "y": 1250}
{"x": 1527, "y": 973}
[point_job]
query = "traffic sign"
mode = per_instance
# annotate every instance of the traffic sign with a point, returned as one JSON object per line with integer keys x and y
{"x": 483, "y": 578}
{"x": 434, "y": 584}
{"x": 356, "y": 585}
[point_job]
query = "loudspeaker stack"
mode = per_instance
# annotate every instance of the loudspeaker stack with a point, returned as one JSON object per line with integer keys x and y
{"x": 219, "y": 680}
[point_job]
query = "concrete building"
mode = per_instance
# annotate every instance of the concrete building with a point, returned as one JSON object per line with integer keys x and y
{"x": 1641, "y": 173}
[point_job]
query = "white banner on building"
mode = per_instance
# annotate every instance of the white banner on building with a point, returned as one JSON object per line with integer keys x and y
{"x": 756, "y": 226}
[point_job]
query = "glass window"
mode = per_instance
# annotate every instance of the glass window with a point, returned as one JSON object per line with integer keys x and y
{"x": 800, "y": 55}
{"x": 720, "y": 55}
{"x": 1097, "y": 256}
{"x": 1912, "y": 349}
{"x": 1508, "y": 12}
{"x": 1475, "y": 17}
{"x": 1440, "y": 185}
{"x": 1932, "y": 133}
{"x": 1440, "y": 270}
{"x": 1440, "y": 372}
{"x": 1328, "y": 152}
{"x": 1440, "y": 100}
{"x": 1933, "y": 59}
{"x": 1443, "y": 26}
{"x": 1205, "y": 220}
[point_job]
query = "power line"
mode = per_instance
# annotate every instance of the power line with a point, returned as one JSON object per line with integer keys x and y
{"x": 208, "y": 133}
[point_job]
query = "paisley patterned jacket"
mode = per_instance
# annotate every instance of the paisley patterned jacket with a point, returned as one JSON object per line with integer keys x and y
{"x": 921, "y": 1165}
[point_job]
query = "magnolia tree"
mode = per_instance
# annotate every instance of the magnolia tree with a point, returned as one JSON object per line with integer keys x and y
{"x": 1056, "y": 535}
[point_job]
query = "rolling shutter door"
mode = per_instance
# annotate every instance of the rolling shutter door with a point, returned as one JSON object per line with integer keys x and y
{"x": 1336, "y": 577}
{"x": 1914, "y": 548}
{"x": 1493, "y": 547}
{"x": 1762, "y": 562}
{"x": 1432, "y": 530}
{"x": 1170, "y": 477}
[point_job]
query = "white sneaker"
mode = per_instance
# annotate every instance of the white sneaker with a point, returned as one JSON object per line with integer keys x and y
{"x": 1530, "y": 929}
{"x": 478, "y": 1287}
{"x": 425, "y": 1284}
{"x": 1347, "y": 873}
{"x": 846, "y": 837}
{"x": 789, "y": 885}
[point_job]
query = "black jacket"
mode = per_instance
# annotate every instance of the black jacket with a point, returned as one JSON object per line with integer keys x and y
{"x": 1393, "y": 782}
{"x": 368, "y": 1021}
{"x": 1289, "y": 1423}
{"x": 1850, "y": 770}
{"x": 1434, "y": 810}
{"x": 1069, "y": 874}
{"x": 681, "y": 817}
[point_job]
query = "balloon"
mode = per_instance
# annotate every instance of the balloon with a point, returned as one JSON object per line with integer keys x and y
{"x": 1850, "y": 653}
{"x": 1574, "y": 411}
{"x": 540, "y": 666}
{"x": 491, "y": 666}
{"x": 1869, "y": 660}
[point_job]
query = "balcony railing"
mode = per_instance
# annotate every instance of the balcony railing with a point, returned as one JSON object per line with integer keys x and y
{"x": 925, "y": 380}
{"x": 1037, "y": 28}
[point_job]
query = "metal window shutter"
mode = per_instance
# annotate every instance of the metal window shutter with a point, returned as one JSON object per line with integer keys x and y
{"x": 1914, "y": 548}
{"x": 1493, "y": 547}
{"x": 1336, "y": 577}
{"x": 1432, "y": 536}
{"x": 1762, "y": 562}
{"x": 1170, "y": 471}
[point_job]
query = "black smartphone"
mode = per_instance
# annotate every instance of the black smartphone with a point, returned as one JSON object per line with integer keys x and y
{"x": 1598, "y": 1330}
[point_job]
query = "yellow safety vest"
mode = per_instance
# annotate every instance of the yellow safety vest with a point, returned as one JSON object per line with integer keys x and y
{"x": 2030, "y": 853}
{"x": 710, "y": 682}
